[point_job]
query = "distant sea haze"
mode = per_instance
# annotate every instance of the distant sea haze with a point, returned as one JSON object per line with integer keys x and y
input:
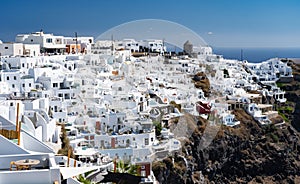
{"x": 255, "y": 55}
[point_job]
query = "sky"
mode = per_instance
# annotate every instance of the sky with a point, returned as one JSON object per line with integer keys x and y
{"x": 221, "y": 23}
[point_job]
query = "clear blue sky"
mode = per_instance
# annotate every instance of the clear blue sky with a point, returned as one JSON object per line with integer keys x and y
{"x": 233, "y": 23}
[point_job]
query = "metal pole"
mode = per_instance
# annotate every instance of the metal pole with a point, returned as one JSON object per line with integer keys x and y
{"x": 69, "y": 155}
{"x": 17, "y": 118}
{"x": 19, "y": 134}
{"x": 76, "y": 42}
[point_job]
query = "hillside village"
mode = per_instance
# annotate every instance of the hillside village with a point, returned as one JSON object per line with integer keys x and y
{"x": 118, "y": 101}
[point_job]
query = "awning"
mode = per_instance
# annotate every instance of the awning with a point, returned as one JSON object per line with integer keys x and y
{"x": 68, "y": 172}
{"x": 76, "y": 141}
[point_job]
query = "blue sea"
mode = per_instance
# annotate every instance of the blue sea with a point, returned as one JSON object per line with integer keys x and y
{"x": 255, "y": 55}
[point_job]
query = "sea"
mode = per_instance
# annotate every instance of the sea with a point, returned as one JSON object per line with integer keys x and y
{"x": 256, "y": 55}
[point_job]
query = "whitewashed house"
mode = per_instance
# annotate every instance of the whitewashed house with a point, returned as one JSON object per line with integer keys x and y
{"x": 49, "y": 43}
{"x": 256, "y": 113}
{"x": 228, "y": 119}
{"x": 11, "y": 49}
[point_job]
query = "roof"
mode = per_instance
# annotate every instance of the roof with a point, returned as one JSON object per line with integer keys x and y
{"x": 27, "y": 77}
{"x": 68, "y": 172}
{"x": 262, "y": 106}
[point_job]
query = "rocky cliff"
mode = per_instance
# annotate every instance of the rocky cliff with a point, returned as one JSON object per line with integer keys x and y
{"x": 201, "y": 81}
{"x": 292, "y": 89}
{"x": 245, "y": 154}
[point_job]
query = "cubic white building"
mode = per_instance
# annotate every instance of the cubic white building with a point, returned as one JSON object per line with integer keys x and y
{"x": 11, "y": 49}
{"x": 49, "y": 43}
{"x": 84, "y": 44}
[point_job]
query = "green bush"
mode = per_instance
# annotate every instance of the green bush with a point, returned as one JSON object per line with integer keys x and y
{"x": 158, "y": 127}
{"x": 274, "y": 137}
{"x": 279, "y": 84}
{"x": 283, "y": 117}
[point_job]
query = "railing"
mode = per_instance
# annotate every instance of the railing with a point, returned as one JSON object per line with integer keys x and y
{"x": 9, "y": 134}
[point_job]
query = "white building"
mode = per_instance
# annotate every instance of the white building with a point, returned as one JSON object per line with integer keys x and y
{"x": 32, "y": 49}
{"x": 49, "y": 43}
{"x": 84, "y": 44}
{"x": 131, "y": 44}
{"x": 270, "y": 70}
{"x": 46, "y": 166}
{"x": 257, "y": 114}
{"x": 11, "y": 49}
{"x": 153, "y": 45}
{"x": 228, "y": 119}
{"x": 19, "y": 49}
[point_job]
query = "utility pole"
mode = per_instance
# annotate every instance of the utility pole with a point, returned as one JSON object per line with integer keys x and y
{"x": 112, "y": 45}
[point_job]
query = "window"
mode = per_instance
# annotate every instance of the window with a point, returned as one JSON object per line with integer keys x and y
{"x": 49, "y": 40}
{"x": 5, "y": 47}
{"x": 31, "y": 40}
{"x": 146, "y": 141}
{"x": 23, "y": 64}
{"x": 29, "y": 84}
{"x": 13, "y": 86}
{"x": 23, "y": 85}
{"x": 55, "y": 85}
{"x": 7, "y": 78}
{"x": 143, "y": 173}
{"x": 15, "y": 78}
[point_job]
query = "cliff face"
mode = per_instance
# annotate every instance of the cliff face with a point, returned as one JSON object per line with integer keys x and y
{"x": 248, "y": 153}
{"x": 292, "y": 89}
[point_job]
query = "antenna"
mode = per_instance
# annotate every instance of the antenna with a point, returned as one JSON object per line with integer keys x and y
{"x": 76, "y": 42}
{"x": 112, "y": 44}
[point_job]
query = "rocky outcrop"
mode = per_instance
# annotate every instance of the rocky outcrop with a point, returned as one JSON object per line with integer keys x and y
{"x": 201, "y": 81}
{"x": 245, "y": 154}
{"x": 292, "y": 89}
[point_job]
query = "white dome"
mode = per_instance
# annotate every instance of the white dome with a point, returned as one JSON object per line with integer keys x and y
{"x": 1, "y": 42}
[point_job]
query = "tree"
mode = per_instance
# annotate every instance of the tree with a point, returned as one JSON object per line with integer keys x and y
{"x": 83, "y": 180}
{"x": 65, "y": 143}
{"x": 158, "y": 128}
{"x": 126, "y": 167}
